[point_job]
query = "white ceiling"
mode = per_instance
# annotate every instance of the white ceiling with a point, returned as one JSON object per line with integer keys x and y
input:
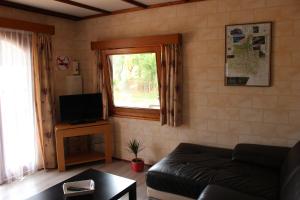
{"x": 109, "y": 5}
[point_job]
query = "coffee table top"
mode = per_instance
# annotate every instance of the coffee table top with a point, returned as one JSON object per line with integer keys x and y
{"x": 107, "y": 186}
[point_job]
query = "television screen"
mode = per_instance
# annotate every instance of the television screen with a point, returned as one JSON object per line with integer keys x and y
{"x": 81, "y": 108}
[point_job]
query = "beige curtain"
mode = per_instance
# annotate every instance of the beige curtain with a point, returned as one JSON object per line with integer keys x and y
{"x": 44, "y": 96}
{"x": 18, "y": 140}
{"x": 104, "y": 84}
{"x": 171, "y": 85}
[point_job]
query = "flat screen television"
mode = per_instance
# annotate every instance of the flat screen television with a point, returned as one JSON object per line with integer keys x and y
{"x": 83, "y": 108}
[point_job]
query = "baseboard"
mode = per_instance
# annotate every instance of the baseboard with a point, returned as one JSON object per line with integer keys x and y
{"x": 115, "y": 158}
{"x": 160, "y": 195}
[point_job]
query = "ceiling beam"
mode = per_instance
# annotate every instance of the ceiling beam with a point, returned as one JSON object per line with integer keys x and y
{"x": 74, "y": 3}
{"x": 38, "y": 10}
{"x": 136, "y": 3}
{"x": 103, "y": 12}
{"x": 149, "y": 7}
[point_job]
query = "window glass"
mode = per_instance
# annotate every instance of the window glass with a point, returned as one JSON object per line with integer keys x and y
{"x": 135, "y": 82}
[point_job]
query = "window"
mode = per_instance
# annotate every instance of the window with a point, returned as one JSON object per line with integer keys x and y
{"x": 135, "y": 85}
{"x": 128, "y": 100}
{"x": 135, "y": 80}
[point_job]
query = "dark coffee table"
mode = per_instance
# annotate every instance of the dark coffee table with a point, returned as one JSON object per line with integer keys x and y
{"x": 107, "y": 187}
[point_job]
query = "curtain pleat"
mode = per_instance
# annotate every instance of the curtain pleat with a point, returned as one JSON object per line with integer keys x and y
{"x": 171, "y": 85}
{"x": 104, "y": 84}
{"x": 44, "y": 96}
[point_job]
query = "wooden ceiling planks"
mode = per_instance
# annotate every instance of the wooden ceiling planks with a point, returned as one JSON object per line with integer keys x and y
{"x": 102, "y": 12}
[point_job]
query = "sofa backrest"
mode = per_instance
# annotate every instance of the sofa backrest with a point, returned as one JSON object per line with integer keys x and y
{"x": 290, "y": 175}
{"x": 263, "y": 155}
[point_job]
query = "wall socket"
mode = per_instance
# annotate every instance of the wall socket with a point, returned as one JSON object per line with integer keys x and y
{"x": 75, "y": 68}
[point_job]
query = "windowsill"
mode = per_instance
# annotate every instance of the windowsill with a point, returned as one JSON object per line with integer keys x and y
{"x": 137, "y": 113}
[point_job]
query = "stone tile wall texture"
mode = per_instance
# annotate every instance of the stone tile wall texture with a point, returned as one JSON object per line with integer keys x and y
{"x": 214, "y": 114}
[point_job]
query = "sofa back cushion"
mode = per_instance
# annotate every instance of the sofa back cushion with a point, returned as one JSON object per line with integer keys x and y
{"x": 267, "y": 156}
{"x": 290, "y": 175}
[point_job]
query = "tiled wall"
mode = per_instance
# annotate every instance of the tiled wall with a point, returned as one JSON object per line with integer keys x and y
{"x": 213, "y": 114}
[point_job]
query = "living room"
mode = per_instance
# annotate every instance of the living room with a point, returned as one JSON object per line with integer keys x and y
{"x": 215, "y": 111}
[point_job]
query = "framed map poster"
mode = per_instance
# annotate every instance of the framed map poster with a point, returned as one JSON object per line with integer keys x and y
{"x": 248, "y": 54}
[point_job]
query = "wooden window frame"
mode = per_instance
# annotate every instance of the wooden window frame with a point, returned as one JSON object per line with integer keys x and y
{"x": 147, "y": 42}
{"x": 130, "y": 112}
{"x": 26, "y": 26}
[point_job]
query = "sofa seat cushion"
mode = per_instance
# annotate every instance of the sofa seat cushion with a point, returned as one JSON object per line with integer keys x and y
{"x": 215, "y": 192}
{"x": 188, "y": 170}
{"x": 249, "y": 179}
{"x": 290, "y": 175}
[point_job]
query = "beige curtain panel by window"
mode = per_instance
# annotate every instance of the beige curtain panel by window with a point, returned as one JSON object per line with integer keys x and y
{"x": 44, "y": 96}
{"x": 171, "y": 85}
{"x": 104, "y": 84}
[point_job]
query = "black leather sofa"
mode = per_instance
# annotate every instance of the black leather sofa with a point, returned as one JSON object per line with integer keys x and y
{"x": 248, "y": 172}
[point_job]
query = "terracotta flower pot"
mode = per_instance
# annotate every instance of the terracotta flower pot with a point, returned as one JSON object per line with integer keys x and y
{"x": 137, "y": 165}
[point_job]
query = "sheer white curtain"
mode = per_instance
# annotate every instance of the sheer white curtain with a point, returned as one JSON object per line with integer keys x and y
{"x": 19, "y": 154}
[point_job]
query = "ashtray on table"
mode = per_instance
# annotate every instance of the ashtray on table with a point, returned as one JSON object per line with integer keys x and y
{"x": 78, "y": 188}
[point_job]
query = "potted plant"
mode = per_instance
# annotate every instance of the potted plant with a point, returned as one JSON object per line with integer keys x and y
{"x": 137, "y": 164}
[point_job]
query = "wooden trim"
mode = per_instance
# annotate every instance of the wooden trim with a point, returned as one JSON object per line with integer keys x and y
{"x": 129, "y": 161}
{"x": 27, "y": 26}
{"x": 153, "y": 49}
{"x": 140, "y": 8}
{"x": 135, "y": 113}
{"x": 65, "y": 126}
{"x": 80, "y": 5}
{"x": 66, "y": 131}
{"x": 136, "y": 3}
{"x": 38, "y": 10}
{"x": 137, "y": 42}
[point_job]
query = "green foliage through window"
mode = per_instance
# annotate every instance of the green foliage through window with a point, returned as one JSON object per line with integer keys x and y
{"x": 135, "y": 80}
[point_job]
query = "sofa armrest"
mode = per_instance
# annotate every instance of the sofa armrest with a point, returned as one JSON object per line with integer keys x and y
{"x": 267, "y": 156}
{"x": 215, "y": 192}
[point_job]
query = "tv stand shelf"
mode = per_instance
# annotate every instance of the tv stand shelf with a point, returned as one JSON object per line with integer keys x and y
{"x": 83, "y": 158}
{"x": 64, "y": 130}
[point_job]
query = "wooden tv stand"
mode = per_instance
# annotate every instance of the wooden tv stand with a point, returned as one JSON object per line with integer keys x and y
{"x": 64, "y": 130}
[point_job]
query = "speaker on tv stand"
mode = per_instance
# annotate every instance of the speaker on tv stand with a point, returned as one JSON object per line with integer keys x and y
{"x": 73, "y": 84}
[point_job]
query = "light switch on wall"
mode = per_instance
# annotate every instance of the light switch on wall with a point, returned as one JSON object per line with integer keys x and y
{"x": 75, "y": 67}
